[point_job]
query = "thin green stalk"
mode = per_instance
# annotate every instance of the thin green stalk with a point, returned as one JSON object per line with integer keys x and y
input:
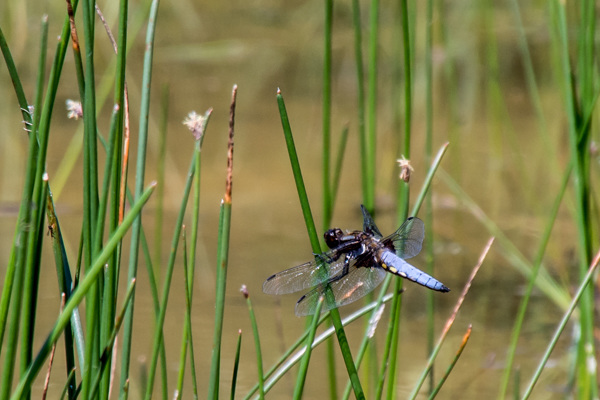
{"x": 113, "y": 192}
{"x": 404, "y": 196}
{"x": 335, "y": 316}
{"x": 563, "y": 323}
{"x": 155, "y": 299}
{"x": 417, "y": 205}
{"x": 513, "y": 255}
{"x": 371, "y": 140}
{"x": 537, "y": 263}
{"x": 184, "y": 344}
{"x": 301, "y": 377}
{"x": 450, "y": 320}
{"x": 108, "y": 296}
{"x": 326, "y": 174}
{"x": 31, "y": 282}
{"x": 360, "y": 95}
{"x": 188, "y": 322}
{"x": 139, "y": 182}
{"x": 396, "y": 303}
{"x": 63, "y": 274}
{"x": 259, "y": 362}
{"x": 286, "y": 354}
{"x": 198, "y": 128}
{"x": 222, "y": 259}
{"x": 79, "y": 293}
{"x": 578, "y": 143}
{"x": 280, "y": 369}
{"x": 339, "y": 161}
{"x": 300, "y": 188}
{"x": 90, "y": 197}
{"x": 158, "y": 331}
{"x": 437, "y": 388}
{"x": 107, "y": 350}
{"x": 160, "y": 173}
{"x": 35, "y": 234}
{"x": 236, "y": 365}
{"x": 429, "y": 256}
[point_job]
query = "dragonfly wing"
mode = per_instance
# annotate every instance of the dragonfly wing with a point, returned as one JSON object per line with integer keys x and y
{"x": 368, "y": 223}
{"x": 408, "y": 239}
{"x": 352, "y": 287}
{"x": 305, "y": 275}
{"x": 398, "y": 266}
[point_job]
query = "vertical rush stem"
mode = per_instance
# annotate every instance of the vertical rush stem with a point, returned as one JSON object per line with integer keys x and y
{"x": 404, "y": 194}
{"x": 314, "y": 240}
{"x": 139, "y": 184}
{"x": 327, "y": 203}
{"x": 428, "y": 156}
{"x": 371, "y": 142}
{"x": 222, "y": 259}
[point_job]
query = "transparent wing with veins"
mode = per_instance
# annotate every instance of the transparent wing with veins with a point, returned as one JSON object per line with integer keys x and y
{"x": 305, "y": 275}
{"x": 351, "y": 287}
{"x": 407, "y": 241}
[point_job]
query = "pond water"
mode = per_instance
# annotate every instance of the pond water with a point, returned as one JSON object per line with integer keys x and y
{"x": 498, "y": 154}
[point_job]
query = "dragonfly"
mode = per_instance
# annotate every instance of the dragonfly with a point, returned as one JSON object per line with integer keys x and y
{"x": 355, "y": 264}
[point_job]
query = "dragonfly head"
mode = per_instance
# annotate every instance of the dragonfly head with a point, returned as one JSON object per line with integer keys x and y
{"x": 333, "y": 237}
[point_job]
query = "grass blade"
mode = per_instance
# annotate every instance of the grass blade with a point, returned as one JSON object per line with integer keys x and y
{"x": 236, "y": 365}
{"x": 335, "y": 316}
{"x": 301, "y": 377}
{"x": 561, "y": 326}
{"x": 451, "y": 320}
{"x": 222, "y": 259}
{"x": 463, "y": 344}
{"x": 79, "y": 293}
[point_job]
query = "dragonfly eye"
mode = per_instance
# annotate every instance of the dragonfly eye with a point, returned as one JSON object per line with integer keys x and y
{"x": 332, "y": 237}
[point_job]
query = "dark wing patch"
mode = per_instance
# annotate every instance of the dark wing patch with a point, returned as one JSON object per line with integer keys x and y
{"x": 369, "y": 225}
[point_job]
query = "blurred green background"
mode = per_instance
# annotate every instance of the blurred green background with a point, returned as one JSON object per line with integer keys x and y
{"x": 508, "y": 152}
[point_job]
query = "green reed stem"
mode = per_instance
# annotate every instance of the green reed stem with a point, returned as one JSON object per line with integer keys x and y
{"x": 187, "y": 330}
{"x": 429, "y": 250}
{"x": 537, "y": 263}
{"x": 158, "y": 332}
{"x": 360, "y": 95}
{"x": 301, "y": 377}
{"x": 35, "y": 235}
{"x": 450, "y": 320}
{"x": 160, "y": 173}
{"x": 222, "y": 259}
{"x": 563, "y": 323}
{"x": 513, "y": 255}
{"x": 386, "y": 282}
{"x": 107, "y": 350}
{"x": 139, "y": 182}
{"x": 190, "y": 261}
{"x": 371, "y": 137}
{"x": 404, "y": 196}
{"x": 257, "y": 349}
{"x": 236, "y": 364}
{"x": 314, "y": 240}
{"x": 63, "y": 274}
{"x": 339, "y": 162}
{"x": 280, "y": 369}
{"x": 437, "y": 388}
{"x": 326, "y": 155}
{"x": 80, "y": 292}
{"x": 578, "y": 142}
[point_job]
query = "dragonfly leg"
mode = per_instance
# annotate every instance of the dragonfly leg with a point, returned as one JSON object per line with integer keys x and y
{"x": 344, "y": 271}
